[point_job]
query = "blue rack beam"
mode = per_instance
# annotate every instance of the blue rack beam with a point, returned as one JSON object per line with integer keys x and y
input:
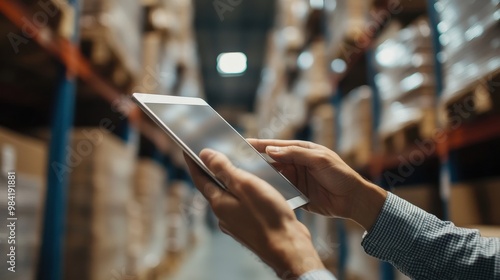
{"x": 448, "y": 166}
{"x": 51, "y": 256}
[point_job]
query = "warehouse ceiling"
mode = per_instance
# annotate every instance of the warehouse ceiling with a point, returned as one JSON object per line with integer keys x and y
{"x": 232, "y": 26}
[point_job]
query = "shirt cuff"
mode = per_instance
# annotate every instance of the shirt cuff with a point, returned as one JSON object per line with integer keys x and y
{"x": 397, "y": 227}
{"x": 317, "y": 275}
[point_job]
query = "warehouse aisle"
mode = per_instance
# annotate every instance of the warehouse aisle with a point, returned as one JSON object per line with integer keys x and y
{"x": 221, "y": 258}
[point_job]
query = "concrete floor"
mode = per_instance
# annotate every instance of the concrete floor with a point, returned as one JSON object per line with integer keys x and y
{"x": 222, "y": 258}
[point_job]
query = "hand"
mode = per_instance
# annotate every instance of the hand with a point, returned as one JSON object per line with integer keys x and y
{"x": 256, "y": 215}
{"x": 333, "y": 188}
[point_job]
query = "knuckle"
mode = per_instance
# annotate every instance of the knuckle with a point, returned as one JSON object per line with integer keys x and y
{"x": 322, "y": 158}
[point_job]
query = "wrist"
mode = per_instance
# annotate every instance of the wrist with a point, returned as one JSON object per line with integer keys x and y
{"x": 296, "y": 253}
{"x": 368, "y": 204}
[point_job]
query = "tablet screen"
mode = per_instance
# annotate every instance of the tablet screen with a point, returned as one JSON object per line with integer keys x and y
{"x": 200, "y": 127}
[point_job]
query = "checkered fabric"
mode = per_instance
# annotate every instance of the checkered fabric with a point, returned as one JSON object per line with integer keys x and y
{"x": 424, "y": 247}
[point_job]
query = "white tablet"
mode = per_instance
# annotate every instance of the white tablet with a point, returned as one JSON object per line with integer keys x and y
{"x": 194, "y": 126}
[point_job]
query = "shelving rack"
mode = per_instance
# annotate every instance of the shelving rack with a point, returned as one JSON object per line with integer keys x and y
{"x": 73, "y": 67}
{"x": 468, "y": 134}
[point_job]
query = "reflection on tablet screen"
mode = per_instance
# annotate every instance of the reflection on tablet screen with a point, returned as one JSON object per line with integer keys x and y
{"x": 200, "y": 127}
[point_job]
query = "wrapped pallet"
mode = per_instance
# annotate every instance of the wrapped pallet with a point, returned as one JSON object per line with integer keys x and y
{"x": 23, "y": 167}
{"x": 355, "y": 144}
{"x": 100, "y": 186}
{"x": 406, "y": 85}
{"x": 469, "y": 35}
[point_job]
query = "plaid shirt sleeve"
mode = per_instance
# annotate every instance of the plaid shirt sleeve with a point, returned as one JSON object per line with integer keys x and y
{"x": 424, "y": 247}
{"x": 317, "y": 275}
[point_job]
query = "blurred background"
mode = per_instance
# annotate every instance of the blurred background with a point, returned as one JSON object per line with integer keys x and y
{"x": 406, "y": 91}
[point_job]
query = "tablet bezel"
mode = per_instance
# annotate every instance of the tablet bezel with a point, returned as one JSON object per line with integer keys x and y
{"x": 141, "y": 98}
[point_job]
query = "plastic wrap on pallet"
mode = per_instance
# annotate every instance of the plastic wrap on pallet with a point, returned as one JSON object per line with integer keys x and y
{"x": 396, "y": 115}
{"x": 355, "y": 120}
{"x": 469, "y": 35}
{"x": 406, "y": 79}
{"x": 462, "y": 21}
{"x": 407, "y": 49}
{"x": 474, "y": 60}
{"x": 394, "y": 88}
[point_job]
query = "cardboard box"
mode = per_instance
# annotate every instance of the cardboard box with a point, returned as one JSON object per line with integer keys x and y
{"x": 322, "y": 124}
{"x": 355, "y": 144}
{"x": 487, "y": 231}
{"x": 475, "y": 202}
{"x": 100, "y": 185}
{"x": 28, "y": 158}
{"x": 149, "y": 196}
{"x": 463, "y": 205}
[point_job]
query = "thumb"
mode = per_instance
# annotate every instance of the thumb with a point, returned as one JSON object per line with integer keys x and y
{"x": 293, "y": 155}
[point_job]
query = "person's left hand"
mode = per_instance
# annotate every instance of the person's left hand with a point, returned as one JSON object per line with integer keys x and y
{"x": 256, "y": 215}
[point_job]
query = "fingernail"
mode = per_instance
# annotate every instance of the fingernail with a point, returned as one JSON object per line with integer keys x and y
{"x": 273, "y": 149}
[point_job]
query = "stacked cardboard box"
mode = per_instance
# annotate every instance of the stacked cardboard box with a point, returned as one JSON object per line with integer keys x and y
{"x": 291, "y": 20}
{"x": 347, "y": 22}
{"x": 26, "y": 157}
{"x": 313, "y": 83}
{"x": 355, "y": 144}
{"x": 322, "y": 123}
{"x": 475, "y": 202}
{"x": 113, "y": 30}
{"x": 150, "y": 183}
{"x": 101, "y": 168}
{"x": 170, "y": 64}
{"x": 406, "y": 81}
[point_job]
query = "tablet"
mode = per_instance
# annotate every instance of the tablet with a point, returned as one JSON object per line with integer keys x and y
{"x": 194, "y": 126}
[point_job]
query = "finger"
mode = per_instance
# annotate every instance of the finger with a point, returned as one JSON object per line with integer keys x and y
{"x": 261, "y": 144}
{"x": 222, "y": 168}
{"x": 311, "y": 158}
{"x": 203, "y": 182}
{"x": 241, "y": 183}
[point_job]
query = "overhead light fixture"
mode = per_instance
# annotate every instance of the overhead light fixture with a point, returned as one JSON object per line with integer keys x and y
{"x": 231, "y": 63}
{"x": 317, "y": 4}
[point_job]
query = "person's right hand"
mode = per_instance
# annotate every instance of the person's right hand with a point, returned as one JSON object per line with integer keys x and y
{"x": 333, "y": 188}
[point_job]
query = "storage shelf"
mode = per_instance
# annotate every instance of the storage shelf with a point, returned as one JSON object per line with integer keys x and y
{"x": 76, "y": 64}
{"x": 468, "y": 134}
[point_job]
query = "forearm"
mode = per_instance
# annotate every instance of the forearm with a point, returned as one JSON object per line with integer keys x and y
{"x": 424, "y": 247}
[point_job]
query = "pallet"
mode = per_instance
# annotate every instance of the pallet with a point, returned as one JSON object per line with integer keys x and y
{"x": 405, "y": 137}
{"x": 482, "y": 97}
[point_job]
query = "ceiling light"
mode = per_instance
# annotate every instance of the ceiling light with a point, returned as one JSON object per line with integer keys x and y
{"x": 317, "y": 4}
{"x": 231, "y": 63}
